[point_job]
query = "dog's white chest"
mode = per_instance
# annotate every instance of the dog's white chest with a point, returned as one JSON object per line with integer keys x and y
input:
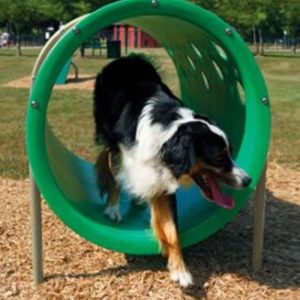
{"x": 142, "y": 172}
{"x": 143, "y": 177}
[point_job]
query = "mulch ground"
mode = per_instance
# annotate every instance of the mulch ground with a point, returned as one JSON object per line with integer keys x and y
{"x": 221, "y": 265}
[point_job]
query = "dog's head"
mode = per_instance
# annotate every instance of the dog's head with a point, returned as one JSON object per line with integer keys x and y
{"x": 201, "y": 151}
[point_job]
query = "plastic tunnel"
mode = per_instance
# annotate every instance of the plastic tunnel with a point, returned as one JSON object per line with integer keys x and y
{"x": 218, "y": 77}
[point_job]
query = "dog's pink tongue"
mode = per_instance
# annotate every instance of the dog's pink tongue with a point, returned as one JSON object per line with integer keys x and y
{"x": 219, "y": 197}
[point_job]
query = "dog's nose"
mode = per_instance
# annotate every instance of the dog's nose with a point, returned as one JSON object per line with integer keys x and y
{"x": 246, "y": 181}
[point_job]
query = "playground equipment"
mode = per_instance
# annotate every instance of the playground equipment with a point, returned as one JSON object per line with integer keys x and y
{"x": 218, "y": 77}
{"x": 63, "y": 75}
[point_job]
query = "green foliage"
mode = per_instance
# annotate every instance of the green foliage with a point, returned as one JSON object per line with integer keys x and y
{"x": 21, "y": 14}
{"x": 34, "y": 11}
{"x": 207, "y": 4}
{"x": 66, "y": 10}
{"x": 258, "y": 18}
{"x": 273, "y": 16}
{"x": 291, "y": 13}
{"x": 26, "y": 14}
{"x": 95, "y": 4}
{"x": 22, "y": 11}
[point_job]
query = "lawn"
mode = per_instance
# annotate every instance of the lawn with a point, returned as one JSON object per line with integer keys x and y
{"x": 70, "y": 111}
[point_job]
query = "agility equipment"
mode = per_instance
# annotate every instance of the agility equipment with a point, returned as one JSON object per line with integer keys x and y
{"x": 218, "y": 77}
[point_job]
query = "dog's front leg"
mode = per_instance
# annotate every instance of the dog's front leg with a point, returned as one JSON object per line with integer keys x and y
{"x": 108, "y": 185}
{"x": 112, "y": 209}
{"x": 165, "y": 230}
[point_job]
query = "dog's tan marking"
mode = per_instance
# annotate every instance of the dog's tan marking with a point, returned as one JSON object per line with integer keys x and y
{"x": 104, "y": 175}
{"x": 186, "y": 180}
{"x": 198, "y": 167}
{"x": 113, "y": 198}
{"x": 166, "y": 232}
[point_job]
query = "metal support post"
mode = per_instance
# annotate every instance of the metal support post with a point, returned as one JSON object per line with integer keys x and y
{"x": 259, "y": 222}
{"x": 36, "y": 232}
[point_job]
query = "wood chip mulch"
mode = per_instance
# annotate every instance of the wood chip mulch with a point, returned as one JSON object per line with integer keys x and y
{"x": 221, "y": 265}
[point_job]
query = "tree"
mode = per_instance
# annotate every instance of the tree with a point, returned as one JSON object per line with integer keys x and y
{"x": 66, "y": 10}
{"x": 291, "y": 14}
{"x": 25, "y": 14}
{"x": 21, "y": 13}
{"x": 257, "y": 16}
{"x": 95, "y": 4}
{"x": 251, "y": 14}
{"x": 207, "y": 4}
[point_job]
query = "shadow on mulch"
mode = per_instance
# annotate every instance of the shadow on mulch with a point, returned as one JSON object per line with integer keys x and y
{"x": 81, "y": 79}
{"x": 230, "y": 250}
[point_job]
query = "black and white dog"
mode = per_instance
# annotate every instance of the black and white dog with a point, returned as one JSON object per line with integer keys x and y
{"x": 153, "y": 145}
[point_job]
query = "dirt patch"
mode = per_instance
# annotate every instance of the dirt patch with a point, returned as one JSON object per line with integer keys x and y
{"x": 221, "y": 265}
{"x": 84, "y": 82}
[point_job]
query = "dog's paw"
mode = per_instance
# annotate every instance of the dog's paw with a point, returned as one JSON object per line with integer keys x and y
{"x": 184, "y": 278}
{"x": 113, "y": 213}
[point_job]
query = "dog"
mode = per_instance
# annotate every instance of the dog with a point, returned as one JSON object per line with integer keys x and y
{"x": 153, "y": 144}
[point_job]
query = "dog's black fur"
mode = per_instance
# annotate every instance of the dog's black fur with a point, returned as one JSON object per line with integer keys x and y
{"x": 121, "y": 92}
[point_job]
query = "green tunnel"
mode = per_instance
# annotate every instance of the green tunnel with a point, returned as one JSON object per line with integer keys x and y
{"x": 218, "y": 77}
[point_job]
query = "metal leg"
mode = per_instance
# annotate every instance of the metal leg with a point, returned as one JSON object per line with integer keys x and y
{"x": 36, "y": 232}
{"x": 75, "y": 69}
{"x": 259, "y": 222}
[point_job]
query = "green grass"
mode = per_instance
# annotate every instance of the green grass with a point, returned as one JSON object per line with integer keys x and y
{"x": 283, "y": 79}
{"x": 70, "y": 111}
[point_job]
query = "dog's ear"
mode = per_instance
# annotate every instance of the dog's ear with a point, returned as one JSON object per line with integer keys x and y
{"x": 178, "y": 154}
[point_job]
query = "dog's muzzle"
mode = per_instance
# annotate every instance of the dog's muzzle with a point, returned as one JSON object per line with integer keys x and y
{"x": 237, "y": 178}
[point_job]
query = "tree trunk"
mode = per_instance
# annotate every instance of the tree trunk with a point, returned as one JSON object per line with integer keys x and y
{"x": 294, "y": 47}
{"x": 261, "y": 41}
{"x": 18, "y": 40}
{"x": 82, "y": 49}
{"x": 255, "y": 44}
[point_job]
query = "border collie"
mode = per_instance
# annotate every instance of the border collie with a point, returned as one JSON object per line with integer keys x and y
{"x": 154, "y": 144}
